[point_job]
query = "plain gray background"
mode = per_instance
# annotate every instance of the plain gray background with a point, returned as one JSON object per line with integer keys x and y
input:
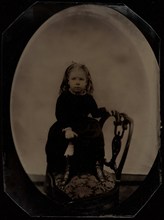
{"x": 124, "y": 71}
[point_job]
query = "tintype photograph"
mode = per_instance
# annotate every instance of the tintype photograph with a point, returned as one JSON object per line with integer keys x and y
{"x": 81, "y": 98}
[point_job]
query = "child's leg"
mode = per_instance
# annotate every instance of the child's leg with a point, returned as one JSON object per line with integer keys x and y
{"x": 89, "y": 146}
{"x": 70, "y": 149}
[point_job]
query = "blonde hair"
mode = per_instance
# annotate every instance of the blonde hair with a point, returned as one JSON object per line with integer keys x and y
{"x": 64, "y": 85}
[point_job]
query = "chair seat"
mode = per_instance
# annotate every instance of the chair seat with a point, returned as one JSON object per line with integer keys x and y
{"x": 86, "y": 185}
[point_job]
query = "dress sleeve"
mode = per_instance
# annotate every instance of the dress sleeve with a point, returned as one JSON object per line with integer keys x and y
{"x": 62, "y": 111}
{"x": 95, "y": 111}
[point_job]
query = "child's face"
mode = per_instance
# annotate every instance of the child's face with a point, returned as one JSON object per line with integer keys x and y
{"x": 77, "y": 81}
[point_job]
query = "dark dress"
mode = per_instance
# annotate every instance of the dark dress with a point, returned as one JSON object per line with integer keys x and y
{"x": 78, "y": 112}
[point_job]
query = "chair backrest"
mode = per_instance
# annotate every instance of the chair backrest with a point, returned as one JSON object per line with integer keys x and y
{"x": 124, "y": 122}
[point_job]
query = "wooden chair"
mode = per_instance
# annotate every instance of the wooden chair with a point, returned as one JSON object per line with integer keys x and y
{"x": 89, "y": 194}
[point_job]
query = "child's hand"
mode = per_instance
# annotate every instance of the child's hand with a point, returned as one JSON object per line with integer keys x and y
{"x": 104, "y": 111}
{"x": 70, "y": 134}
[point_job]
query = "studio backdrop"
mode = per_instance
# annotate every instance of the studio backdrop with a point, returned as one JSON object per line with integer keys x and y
{"x": 124, "y": 71}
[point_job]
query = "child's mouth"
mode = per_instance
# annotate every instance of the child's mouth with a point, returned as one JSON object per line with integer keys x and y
{"x": 77, "y": 88}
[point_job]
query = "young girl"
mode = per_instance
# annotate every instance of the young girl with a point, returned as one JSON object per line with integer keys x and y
{"x": 77, "y": 132}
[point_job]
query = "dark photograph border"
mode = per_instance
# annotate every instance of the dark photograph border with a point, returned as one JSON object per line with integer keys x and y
{"x": 43, "y": 205}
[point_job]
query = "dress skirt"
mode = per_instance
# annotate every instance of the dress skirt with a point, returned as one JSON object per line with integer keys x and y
{"x": 88, "y": 146}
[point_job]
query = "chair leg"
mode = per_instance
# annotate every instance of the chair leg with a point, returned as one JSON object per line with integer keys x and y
{"x": 67, "y": 172}
{"x": 48, "y": 183}
{"x": 99, "y": 172}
